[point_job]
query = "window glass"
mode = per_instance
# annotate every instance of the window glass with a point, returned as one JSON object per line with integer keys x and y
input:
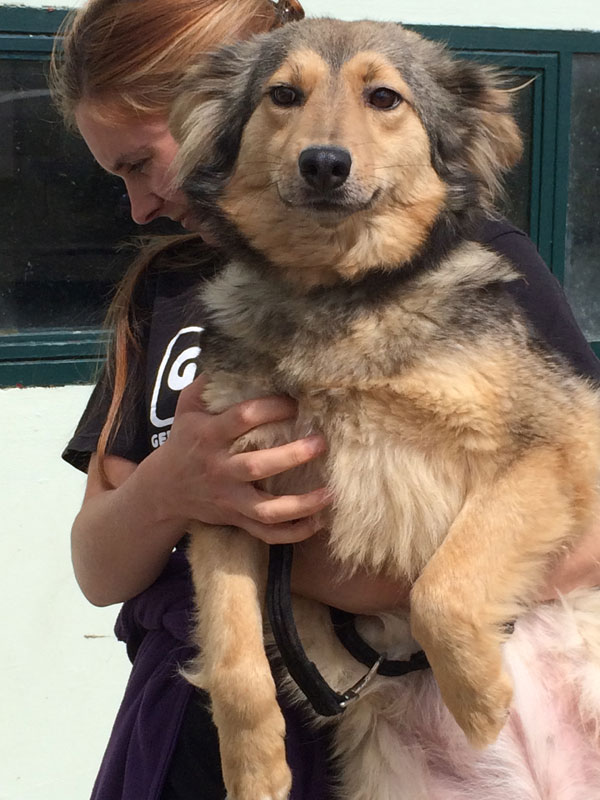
{"x": 582, "y": 263}
{"x": 61, "y": 216}
{"x": 515, "y": 204}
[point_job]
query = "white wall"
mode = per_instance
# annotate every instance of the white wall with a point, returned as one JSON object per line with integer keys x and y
{"x": 509, "y": 14}
{"x": 62, "y": 672}
{"x": 575, "y": 15}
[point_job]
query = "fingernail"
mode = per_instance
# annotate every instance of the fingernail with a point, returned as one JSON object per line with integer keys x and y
{"x": 317, "y": 523}
{"x": 326, "y": 495}
{"x": 316, "y": 443}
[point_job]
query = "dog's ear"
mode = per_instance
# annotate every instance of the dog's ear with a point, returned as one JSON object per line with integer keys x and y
{"x": 209, "y": 115}
{"x": 479, "y": 140}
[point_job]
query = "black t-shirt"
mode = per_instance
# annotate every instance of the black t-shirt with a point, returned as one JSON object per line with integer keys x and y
{"x": 172, "y": 334}
{"x": 167, "y": 361}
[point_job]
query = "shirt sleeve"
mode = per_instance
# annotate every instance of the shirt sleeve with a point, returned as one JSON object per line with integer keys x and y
{"x": 85, "y": 439}
{"x": 174, "y": 271}
{"x": 542, "y": 298}
{"x": 129, "y": 440}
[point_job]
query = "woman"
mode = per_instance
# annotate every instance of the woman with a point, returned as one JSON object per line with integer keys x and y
{"x": 154, "y": 458}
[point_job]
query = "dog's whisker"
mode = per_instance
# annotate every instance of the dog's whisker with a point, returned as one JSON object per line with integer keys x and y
{"x": 256, "y": 195}
{"x": 253, "y": 161}
{"x": 401, "y": 166}
{"x": 257, "y": 174}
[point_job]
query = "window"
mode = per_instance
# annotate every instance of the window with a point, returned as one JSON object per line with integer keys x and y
{"x": 62, "y": 222}
{"x": 557, "y": 186}
{"x": 63, "y": 219}
{"x": 582, "y": 251}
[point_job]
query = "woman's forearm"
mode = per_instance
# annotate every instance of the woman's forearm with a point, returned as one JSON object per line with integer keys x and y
{"x": 317, "y": 576}
{"x": 122, "y": 537}
{"x": 119, "y": 544}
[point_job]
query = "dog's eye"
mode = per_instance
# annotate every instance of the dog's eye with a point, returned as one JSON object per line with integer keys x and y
{"x": 384, "y": 98}
{"x": 285, "y": 96}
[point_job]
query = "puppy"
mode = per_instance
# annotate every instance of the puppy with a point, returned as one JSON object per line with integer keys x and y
{"x": 343, "y": 168}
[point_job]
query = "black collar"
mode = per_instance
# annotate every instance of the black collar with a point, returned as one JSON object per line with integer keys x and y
{"x": 325, "y": 700}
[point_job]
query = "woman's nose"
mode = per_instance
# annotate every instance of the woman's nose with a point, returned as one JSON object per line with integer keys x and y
{"x": 145, "y": 206}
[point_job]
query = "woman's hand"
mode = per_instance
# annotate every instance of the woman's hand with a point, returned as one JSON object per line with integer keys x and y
{"x": 579, "y": 568}
{"x": 194, "y": 475}
{"x": 122, "y": 537}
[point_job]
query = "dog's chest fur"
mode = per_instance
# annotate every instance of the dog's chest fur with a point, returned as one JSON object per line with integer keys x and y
{"x": 419, "y": 385}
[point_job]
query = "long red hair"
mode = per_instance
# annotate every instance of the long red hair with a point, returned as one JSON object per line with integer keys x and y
{"x": 125, "y": 58}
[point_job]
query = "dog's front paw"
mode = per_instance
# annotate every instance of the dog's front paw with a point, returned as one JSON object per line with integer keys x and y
{"x": 465, "y": 656}
{"x": 480, "y": 704}
{"x": 254, "y": 762}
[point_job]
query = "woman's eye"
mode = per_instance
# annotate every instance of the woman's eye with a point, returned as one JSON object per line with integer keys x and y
{"x": 285, "y": 96}
{"x": 384, "y": 98}
{"x": 138, "y": 166}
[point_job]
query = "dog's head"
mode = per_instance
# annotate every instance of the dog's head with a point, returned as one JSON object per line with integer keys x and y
{"x": 332, "y": 147}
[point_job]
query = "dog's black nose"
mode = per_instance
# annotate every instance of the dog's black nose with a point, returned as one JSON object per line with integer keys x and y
{"x": 325, "y": 168}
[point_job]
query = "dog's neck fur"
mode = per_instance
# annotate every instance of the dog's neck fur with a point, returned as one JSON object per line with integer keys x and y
{"x": 450, "y": 231}
{"x": 256, "y": 317}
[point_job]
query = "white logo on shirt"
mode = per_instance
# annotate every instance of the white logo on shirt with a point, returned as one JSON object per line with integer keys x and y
{"x": 174, "y": 374}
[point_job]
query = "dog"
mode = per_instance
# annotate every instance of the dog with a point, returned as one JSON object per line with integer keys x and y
{"x": 343, "y": 167}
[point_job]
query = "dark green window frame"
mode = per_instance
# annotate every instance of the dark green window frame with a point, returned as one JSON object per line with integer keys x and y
{"x": 43, "y": 358}
{"x": 547, "y": 56}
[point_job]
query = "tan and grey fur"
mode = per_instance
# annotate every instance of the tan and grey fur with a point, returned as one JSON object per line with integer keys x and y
{"x": 462, "y": 455}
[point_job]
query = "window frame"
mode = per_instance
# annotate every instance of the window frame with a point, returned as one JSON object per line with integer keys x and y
{"x": 551, "y": 194}
{"x": 58, "y": 357}
{"x": 43, "y": 357}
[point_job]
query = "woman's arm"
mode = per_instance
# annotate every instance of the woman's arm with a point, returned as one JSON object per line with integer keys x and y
{"x": 117, "y": 548}
{"x": 112, "y": 565}
{"x": 122, "y": 537}
{"x": 316, "y": 576}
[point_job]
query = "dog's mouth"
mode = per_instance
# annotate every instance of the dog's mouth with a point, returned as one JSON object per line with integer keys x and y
{"x": 325, "y": 185}
{"x": 331, "y": 206}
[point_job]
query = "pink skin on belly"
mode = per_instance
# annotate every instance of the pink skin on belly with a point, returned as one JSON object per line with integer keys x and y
{"x": 549, "y": 749}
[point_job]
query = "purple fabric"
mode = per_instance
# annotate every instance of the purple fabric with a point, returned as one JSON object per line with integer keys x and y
{"x": 148, "y": 721}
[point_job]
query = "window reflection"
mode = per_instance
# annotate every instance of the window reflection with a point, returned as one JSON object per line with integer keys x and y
{"x": 582, "y": 263}
{"x": 61, "y": 216}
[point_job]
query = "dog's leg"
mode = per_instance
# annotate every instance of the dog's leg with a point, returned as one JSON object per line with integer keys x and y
{"x": 229, "y": 572}
{"x": 492, "y": 558}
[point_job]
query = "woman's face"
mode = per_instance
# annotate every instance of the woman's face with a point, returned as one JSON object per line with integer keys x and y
{"x": 141, "y": 152}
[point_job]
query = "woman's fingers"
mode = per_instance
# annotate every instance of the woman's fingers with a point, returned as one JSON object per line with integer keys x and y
{"x": 259, "y": 464}
{"x": 239, "y": 418}
{"x": 243, "y": 417}
{"x": 190, "y": 398}
{"x": 288, "y": 518}
{"x": 270, "y": 510}
{"x": 217, "y": 486}
{"x": 289, "y": 533}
